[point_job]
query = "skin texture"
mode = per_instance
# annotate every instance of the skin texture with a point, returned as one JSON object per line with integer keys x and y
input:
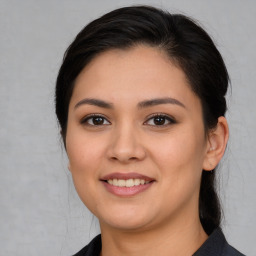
{"x": 127, "y": 140}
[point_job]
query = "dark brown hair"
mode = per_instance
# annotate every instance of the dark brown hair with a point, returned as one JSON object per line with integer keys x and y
{"x": 186, "y": 44}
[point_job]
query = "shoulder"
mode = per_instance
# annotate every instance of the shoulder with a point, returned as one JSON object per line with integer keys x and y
{"x": 92, "y": 249}
{"x": 217, "y": 245}
{"x": 231, "y": 251}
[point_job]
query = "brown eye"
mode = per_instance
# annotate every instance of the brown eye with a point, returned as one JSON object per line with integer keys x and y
{"x": 160, "y": 120}
{"x": 95, "y": 120}
{"x": 98, "y": 120}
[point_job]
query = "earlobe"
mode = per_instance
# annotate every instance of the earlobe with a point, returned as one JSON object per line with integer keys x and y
{"x": 217, "y": 142}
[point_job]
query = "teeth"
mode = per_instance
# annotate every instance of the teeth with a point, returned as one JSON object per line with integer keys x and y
{"x": 121, "y": 183}
{"x": 137, "y": 182}
{"x": 127, "y": 183}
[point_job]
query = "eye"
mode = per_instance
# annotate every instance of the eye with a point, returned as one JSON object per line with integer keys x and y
{"x": 160, "y": 120}
{"x": 95, "y": 120}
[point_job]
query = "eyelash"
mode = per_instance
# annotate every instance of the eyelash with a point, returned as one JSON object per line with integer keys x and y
{"x": 85, "y": 120}
{"x": 165, "y": 117}
{"x": 161, "y": 115}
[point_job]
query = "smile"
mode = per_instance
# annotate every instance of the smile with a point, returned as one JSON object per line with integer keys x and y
{"x": 127, "y": 183}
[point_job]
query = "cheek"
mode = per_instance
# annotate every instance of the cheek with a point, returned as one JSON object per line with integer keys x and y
{"x": 83, "y": 150}
{"x": 82, "y": 157}
{"x": 179, "y": 149}
{"x": 84, "y": 154}
{"x": 83, "y": 167}
{"x": 180, "y": 160}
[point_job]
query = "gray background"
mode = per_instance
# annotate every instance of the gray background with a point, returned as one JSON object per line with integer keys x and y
{"x": 40, "y": 213}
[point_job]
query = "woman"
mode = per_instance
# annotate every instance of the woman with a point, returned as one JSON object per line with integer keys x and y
{"x": 140, "y": 98}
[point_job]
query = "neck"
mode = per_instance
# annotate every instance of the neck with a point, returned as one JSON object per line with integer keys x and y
{"x": 164, "y": 240}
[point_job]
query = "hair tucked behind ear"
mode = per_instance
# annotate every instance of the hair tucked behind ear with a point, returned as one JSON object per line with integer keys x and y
{"x": 209, "y": 205}
{"x": 186, "y": 44}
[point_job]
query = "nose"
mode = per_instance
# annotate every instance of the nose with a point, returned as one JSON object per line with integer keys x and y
{"x": 126, "y": 145}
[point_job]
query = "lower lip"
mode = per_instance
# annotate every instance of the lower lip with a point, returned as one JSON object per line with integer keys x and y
{"x": 126, "y": 191}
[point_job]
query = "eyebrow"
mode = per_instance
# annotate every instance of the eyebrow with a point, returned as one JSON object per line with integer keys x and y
{"x": 95, "y": 102}
{"x": 143, "y": 104}
{"x": 159, "y": 101}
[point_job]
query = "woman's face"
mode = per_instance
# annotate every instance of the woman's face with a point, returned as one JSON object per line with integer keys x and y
{"x": 135, "y": 140}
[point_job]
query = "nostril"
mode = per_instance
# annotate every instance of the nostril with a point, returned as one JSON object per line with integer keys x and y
{"x": 114, "y": 158}
{"x": 125, "y": 152}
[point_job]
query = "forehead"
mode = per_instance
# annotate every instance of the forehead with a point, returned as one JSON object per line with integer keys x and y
{"x": 136, "y": 73}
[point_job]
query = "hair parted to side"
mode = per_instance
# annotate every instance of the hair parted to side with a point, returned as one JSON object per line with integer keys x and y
{"x": 184, "y": 42}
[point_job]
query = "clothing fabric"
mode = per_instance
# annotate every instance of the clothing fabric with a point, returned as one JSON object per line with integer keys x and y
{"x": 215, "y": 245}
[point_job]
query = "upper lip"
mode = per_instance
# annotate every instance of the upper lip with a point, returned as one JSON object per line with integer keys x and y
{"x": 126, "y": 176}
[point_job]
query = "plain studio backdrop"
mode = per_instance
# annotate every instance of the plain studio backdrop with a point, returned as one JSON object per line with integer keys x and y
{"x": 40, "y": 213}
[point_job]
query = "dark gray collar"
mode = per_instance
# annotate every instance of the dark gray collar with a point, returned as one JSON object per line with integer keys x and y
{"x": 216, "y": 245}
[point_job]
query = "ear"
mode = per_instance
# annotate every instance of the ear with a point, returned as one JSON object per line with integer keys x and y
{"x": 217, "y": 142}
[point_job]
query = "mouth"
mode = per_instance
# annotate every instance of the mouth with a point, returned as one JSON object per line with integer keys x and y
{"x": 127, "y": 184}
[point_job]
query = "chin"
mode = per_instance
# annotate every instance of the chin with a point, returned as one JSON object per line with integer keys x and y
{"x": 125, "y": 225}
{"x": 128, "y": 220}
